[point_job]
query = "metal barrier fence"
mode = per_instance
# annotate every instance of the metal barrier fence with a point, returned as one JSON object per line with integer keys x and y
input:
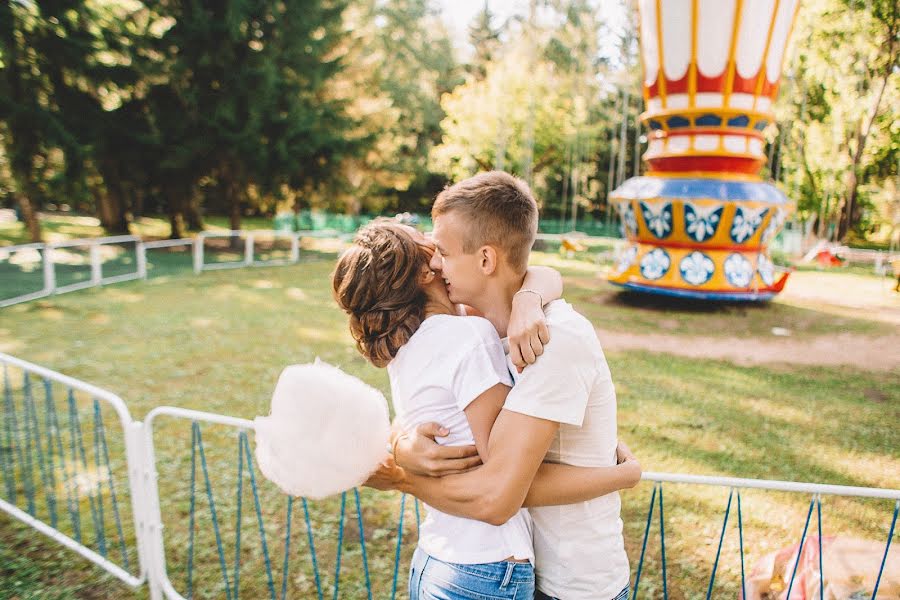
{"x": 180, "y": 562}
{"x": 59, "y": 259}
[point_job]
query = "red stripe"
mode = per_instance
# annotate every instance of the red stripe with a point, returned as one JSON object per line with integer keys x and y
{"x": 743, "y": 86}
{"x": 710, "y": 84}
{"x": 677, "y": 87}
{"x": 719, "y": 164}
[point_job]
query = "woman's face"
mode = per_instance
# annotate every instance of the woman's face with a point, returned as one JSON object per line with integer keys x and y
{"x": 435, "y": 288}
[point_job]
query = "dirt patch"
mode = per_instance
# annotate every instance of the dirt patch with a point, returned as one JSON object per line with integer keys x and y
{"x": 863, "y": 352}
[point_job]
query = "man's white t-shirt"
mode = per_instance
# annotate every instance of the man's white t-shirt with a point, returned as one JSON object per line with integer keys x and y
{"x": 447, "y": 363}
{"x": 579, "y": 549}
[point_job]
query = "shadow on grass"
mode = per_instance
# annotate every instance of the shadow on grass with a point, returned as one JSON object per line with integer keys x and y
{"x": 657, "y": 302}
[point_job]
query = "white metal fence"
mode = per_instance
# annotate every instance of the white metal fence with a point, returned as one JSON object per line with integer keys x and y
{"x": 102, "y": 254}
{"x": 22, "y": 437}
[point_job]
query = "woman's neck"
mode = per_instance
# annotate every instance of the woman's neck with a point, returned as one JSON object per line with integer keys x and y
{"x": 439, "y": 308}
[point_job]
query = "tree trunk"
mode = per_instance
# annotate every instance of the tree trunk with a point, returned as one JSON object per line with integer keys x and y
{"x": 111, "y": 201}
{"x": 850, "y": 213}
{"x": 29, "y": 217}
{"x": 232, "y": 193}
{"x": 175, "y": 206}
{"x": 194, "y": 218}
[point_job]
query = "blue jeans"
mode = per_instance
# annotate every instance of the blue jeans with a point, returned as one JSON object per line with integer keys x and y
{"x": 539, "y": 595}
{"x": 433, "y": 579}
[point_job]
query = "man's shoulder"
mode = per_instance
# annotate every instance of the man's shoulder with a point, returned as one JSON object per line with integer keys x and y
{"x": 568, "y": 326}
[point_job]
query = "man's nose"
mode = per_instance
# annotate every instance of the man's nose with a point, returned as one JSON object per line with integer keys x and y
{"x": 437, "y": 261}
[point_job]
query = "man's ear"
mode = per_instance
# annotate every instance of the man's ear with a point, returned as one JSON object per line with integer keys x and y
{"x": 488, "y": 257}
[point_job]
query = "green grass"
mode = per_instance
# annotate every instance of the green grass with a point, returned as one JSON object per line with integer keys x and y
{"x": 218, "y": 341}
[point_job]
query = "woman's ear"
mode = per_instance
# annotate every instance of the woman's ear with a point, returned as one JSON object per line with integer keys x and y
{"x": 488, "y": 257}
{"x": 427, "y": 276}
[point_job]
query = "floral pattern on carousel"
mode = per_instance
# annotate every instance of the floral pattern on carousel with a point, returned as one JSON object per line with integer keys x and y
{"x": 766, "y": 269}
{"x": 697, "y": 268}
{"x": 629, "y": 221}
{"x": 775, "y": 224}
{"x": 655, "y": 264}
{"x": 658, "y": 217}
{"x": 738, "y": 270}
{"x": 626, "y": 258}
{"x": 746, "y": 222}
{"x": 701, "y": 223}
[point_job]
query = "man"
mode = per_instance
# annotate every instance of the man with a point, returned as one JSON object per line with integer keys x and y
{"x": 562, "y": 408}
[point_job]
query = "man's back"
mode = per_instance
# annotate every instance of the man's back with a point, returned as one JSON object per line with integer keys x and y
{"x": 579, "y": 549}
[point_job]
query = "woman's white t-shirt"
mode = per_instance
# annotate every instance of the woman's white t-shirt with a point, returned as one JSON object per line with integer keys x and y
{"x": 447, "y": 363}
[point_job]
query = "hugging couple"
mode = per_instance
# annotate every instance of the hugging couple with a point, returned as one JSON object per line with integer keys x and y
{"x": 519, "y": 466}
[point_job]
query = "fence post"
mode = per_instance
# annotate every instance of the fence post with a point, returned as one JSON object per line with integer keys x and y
{"x": 153, "y": 527}
{"x": 96, "y": 265}
{"x": 295, "y": 247}
{"x": 248, "y": 250}
{"x": 49, "y": 269}
{"x": 197, "y": 251}
{"x": 135, "y": 458}
{"x": 141, "y": 253}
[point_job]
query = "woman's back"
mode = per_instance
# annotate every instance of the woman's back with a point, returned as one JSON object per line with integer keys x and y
{"x": 443, "y": 367}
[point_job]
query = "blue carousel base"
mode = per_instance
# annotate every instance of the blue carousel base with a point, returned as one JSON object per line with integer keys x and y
{"x": 698, "y": 295}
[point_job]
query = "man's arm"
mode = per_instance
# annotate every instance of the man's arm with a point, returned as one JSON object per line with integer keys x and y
{"x": 494, "y": 492}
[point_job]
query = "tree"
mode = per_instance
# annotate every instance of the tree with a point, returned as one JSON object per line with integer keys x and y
{"x": 843, "y": 145}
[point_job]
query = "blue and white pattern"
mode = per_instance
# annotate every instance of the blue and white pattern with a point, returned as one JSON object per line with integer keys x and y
{"x": 626, "y": 258}
{"x": 697, "y": 268}
{"x": 774, "y": 225}
{"x": 658, "y": 217}
{"x": 629, "y": 221}
{"x": 766, "y": 269}
{"x": 701, "y": 222}
{"x": 746, "y": 222}
{"x": 655, "y": 264}
{"x": 738, "y": 270}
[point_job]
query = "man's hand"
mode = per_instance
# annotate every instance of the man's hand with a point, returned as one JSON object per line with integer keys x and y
{"x": 527, "y": 330}
{"x": 418, "y": 453}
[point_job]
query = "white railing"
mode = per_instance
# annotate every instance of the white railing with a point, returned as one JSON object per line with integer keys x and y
{"x": 133, "y": 447}
{"x": 147, "y": 507}
{"x": 45, "y": 254}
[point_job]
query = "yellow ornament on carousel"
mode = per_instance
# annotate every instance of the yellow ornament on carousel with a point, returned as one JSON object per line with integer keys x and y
{"x": 699, "y": 223}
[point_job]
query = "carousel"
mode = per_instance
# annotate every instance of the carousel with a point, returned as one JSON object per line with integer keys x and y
{"x": 700, "y": 221}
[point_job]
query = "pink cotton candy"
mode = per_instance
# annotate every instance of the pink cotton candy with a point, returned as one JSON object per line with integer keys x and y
{"x": 326, "y": 433}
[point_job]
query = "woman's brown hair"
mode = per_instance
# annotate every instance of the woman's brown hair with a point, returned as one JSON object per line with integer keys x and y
{"x": 376, "y": 282}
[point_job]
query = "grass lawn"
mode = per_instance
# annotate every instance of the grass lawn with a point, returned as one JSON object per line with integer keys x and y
{"x": 218, "y": 341}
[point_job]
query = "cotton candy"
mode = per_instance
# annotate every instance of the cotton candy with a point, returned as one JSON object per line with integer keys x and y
{"x": 326, "y": 433}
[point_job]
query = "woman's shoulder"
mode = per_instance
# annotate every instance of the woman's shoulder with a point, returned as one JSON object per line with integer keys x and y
{"x": 471, "y": 329}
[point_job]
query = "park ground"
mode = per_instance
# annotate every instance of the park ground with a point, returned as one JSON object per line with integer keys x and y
{"x": 804, "y": 388}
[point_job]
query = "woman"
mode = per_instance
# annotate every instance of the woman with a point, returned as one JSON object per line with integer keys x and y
{"x": 449, "y": 369}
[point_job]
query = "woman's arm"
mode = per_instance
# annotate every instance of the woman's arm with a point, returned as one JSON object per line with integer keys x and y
{"x": 546, "y": 281}
{"x": 556, "y": 484}
{"x": 481, "y": 414}
{"x": 527, "y": 329}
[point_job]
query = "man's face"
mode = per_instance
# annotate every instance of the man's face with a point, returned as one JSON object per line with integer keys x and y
{"x": 461, "y": 272}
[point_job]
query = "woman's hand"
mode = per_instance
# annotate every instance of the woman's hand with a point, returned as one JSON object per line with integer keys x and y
{"x": 417, "y": 452}
{"x": 388, "y": 476}
{"x": 527, "y": 330}
{"x": 629, "y": 463}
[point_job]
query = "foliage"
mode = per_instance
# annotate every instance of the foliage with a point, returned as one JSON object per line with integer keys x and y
{"x": 839, "y": 105}
{"x": 247, "y": 107}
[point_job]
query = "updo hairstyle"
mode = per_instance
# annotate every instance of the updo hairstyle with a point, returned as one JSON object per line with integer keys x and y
{"x": 376, "y": 282}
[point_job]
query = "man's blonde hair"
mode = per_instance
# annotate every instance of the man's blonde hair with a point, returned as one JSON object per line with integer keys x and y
{"x": 498, "y": 209}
